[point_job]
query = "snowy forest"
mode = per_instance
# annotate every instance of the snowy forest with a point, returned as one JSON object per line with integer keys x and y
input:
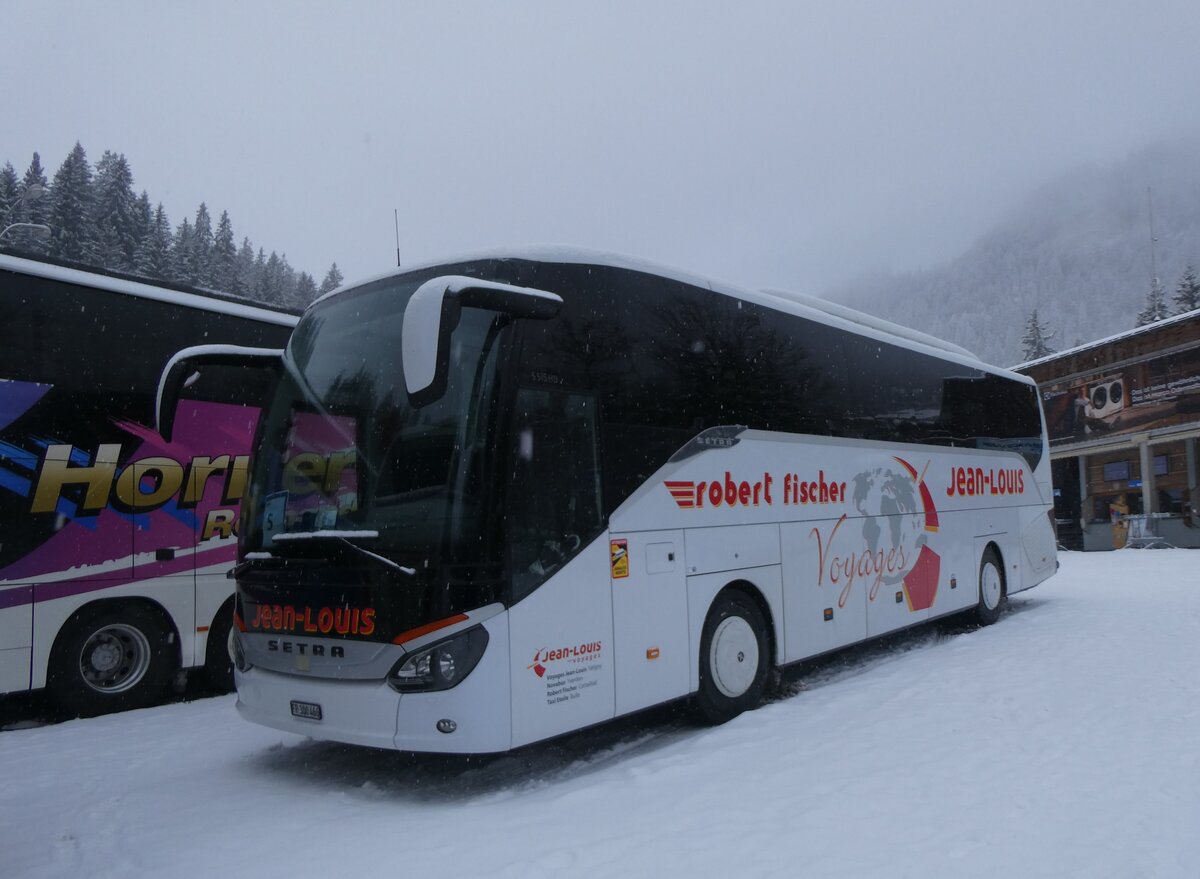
{"x": 91, "y": 216}
{"x": 1074, "y": 262}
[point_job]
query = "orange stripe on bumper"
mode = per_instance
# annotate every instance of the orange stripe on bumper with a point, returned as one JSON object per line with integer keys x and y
{"x": 413, "y": 634}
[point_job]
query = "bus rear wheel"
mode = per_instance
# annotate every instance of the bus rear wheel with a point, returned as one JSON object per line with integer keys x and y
{"x": 735, "y": 658}
{"x": 991, "y": 587}
{"x": 110, "y": 659}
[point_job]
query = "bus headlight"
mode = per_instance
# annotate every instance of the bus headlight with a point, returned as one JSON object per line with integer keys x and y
{"x": 440, "y": 666}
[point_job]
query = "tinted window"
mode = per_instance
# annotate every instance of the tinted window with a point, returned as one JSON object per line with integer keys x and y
{"x": 555, "y": 494}
{"x": 110, "y": 343}
{"x": 667, "y": 360}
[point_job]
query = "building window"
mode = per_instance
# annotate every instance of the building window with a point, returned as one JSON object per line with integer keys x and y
{"x": 1116, "y": 471}
{"x": 1170, "y": 501}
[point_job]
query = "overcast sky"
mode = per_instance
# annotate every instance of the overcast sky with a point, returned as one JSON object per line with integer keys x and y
{"x": 795, "y": 144}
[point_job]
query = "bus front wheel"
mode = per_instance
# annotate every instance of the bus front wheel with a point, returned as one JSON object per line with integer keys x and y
{"x": 735, "y": 658}
{"x": 218, "y": 660}
{"x": 991, "y": 587}
{"x": 110, "y": 659}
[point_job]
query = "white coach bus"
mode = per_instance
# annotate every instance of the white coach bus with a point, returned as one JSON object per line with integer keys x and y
{"x": 496, "y": 500}
{"x": 114, "y": 545}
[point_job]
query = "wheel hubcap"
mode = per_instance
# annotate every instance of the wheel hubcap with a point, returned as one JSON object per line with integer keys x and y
{"x": 989, "y": 586}
{"x": 114, "y": 659}
{"x": 733, "y": 656}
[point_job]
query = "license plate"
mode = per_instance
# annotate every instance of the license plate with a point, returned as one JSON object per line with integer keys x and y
{"x": 307, "y": 710}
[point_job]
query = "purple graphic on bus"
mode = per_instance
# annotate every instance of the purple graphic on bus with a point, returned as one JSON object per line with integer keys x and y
{"x": 17, "y": 398}
{"x": 129, "y": 511}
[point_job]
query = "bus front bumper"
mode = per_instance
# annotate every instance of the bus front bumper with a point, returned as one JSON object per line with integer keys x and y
{"x": 472, "y": 718}
{"x": 356, "y": 712}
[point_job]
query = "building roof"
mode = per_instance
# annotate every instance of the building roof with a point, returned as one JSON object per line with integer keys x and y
{"x": 1108, "y": 340}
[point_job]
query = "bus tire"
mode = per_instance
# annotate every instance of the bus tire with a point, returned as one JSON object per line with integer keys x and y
{"x": 110, "y": 659}
{"x": 992, "y": 590}
{"x": 218, "y": 663}
{"x": 735, "y": 658}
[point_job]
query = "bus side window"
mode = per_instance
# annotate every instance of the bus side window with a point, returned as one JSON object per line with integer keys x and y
{"x": 554, "y": 492}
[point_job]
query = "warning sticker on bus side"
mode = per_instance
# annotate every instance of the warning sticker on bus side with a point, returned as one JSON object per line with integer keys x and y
{"x": 620, "y": 558}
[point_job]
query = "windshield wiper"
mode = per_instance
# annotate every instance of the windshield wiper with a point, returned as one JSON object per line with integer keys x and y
{"x": 325, "y": 534}
{"x": 343, "y": 537}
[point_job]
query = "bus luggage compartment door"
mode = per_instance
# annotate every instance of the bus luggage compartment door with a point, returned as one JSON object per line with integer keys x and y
{"x": 823, "y": 608}
{"x": 16, "y": 637}
{"x": 650, "y": 618}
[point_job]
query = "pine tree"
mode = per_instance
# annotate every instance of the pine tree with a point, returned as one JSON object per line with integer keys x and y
{"x": 70, "y": 209}
{"x": 1187, "y": 294}
{"x": 10, "y": 191}
{"x": 306, "y": 289}
{"x": 153, "y": 256}
{"x": 258, "y": 276}
{"x": 223, "y": 274}
{"x": 333, "y": 280}
{"x": 114, "y": 213}
{"x": 30, "y": 210}
{"x": 143, "y": 222}
{"x": 287, "y": 281}
{"x": 181, "y": 254}
{"x": 1156, "y": 305}
{"x": 273, "y": 280}
{"x": 200, "y": 254}
{"x": 1037, "y": 338}
{"x": 243, "y": 283}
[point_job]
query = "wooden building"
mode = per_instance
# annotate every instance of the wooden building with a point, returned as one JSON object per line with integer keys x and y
{"x": 1123, "y": 414}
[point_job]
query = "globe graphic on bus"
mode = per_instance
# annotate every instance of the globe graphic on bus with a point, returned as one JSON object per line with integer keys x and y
{"x": 893, "y": 521}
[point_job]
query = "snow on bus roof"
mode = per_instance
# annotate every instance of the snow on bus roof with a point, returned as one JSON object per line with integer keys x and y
{"x": 870, "y": 320}
{"x": 819, "y": 310}
{"x": 148, "y": 289}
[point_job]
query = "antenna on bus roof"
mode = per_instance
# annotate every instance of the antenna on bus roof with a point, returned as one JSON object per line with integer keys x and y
{"x": 396, "y": 216}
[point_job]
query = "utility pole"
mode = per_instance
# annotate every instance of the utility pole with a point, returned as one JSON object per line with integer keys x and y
{"x": 1153, "y": 241}
{"x": 396, "y": 217}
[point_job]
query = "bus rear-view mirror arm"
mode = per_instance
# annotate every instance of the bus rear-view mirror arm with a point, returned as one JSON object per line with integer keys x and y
{"x": 185, "y": 364}
{"x": 432, "y": 315}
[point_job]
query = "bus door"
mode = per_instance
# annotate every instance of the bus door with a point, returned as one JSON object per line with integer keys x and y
{"x": 194, "y": 535}
{"x": 187, "y": 495}
{"x": 164, "y": 533}
{"x": 561, "y": 619}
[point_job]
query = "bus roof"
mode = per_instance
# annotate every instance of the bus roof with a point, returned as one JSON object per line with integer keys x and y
{"x": 150, "y": 289}
{"x": 810, "y": 307}
{"x": 870, "y": 320}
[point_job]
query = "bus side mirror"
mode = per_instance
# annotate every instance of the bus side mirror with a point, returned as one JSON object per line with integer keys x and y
{"x": 431, "y": 317}
{"x": 183, "y": 366}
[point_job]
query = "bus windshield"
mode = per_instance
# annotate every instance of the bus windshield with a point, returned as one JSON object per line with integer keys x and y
{"x": 346, "y": 456}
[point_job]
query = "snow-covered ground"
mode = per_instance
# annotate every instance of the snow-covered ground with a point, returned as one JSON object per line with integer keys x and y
{"x": 1063, "y": 741}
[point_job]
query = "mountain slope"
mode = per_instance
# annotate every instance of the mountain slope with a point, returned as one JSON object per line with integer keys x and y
{"x": 1077, "y": 250}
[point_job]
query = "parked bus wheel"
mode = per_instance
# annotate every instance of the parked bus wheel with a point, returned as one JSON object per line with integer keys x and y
{"x": 218, "y": 663}
{"x": 109, "y": 659}
{"x": 991, "y": 587}
{"x": 735, "y": 658}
